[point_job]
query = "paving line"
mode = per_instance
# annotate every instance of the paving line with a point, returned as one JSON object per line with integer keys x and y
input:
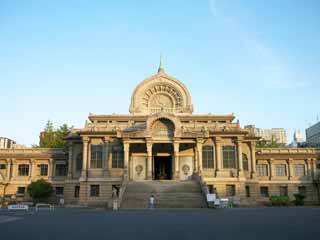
{"x": 4, "y": 219}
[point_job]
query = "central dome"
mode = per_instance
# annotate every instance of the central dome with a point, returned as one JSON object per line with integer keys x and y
{"x": 161, "y": 93}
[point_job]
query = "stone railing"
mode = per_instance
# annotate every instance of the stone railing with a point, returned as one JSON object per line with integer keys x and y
{"x": 288, "y": 151}
{"x": 31, "y": 150}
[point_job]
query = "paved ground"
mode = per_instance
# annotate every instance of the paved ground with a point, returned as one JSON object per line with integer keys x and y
{"x": 259, "y": 223}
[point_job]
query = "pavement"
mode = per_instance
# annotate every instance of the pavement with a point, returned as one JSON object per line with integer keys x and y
{"x": 237, "y": 223}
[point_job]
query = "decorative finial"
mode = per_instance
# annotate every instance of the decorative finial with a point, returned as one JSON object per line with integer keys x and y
{"x": 161, "y": 69}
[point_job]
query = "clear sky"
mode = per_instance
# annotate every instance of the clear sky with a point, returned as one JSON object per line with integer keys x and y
{"x": 60, "y": 60}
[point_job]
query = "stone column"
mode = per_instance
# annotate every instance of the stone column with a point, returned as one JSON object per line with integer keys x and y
{"x": 84, "y": 172}
{"x": 14, "y": 168}
{"x": 195, "y": 160}
{"x": 308, "y": 163}
{"x": 239, "y": 156}
{"x": 199, "y": 153}
{"x": 176, "y": 160}
{"x": 270, "y": 161}
{"x": 290, "y": 169}
{"x": 70, "y": 160}
{"x": 50, "y": 169}
{"x": 253, "y": 159}
{"x": 9, "y": 164}
{"x": 33, "y": 173}
{"x": 105, "y": 164}
{"x": 218, "y": 154}
{"x": 149, "y": 160}
{"x": 126, "y": 149}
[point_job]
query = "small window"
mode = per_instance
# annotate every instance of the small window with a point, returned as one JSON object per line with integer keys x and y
{"x": 207, "y": 157}
{"x": 43, "y": 169}
{"x": 59, "y": 190}
{"x": 247, "y": 191}
{"x": 2, "y": 166}
{"x": 23, "y": 170}
{"x": 302, "y": 190}
{"x": 117, "y": 159}
{"x": 76, "y": 191}
{"x": 262, "y": 170}
{"x": 79, "y": 162}
{"x": 264, "y": 191}
{"x": 61, "y": 170}
{"x": 281, "y": 170}
{"x": 299, "y": 170}
{"x": 284, "y": 191}
{"x": 94, "y": 190}
{"x": 245, "y": 162}
{"x": 231, "y": 190}
{"x": 21, "y": 190}
{"x": 229, "y": 157}
{"x": 96, "y": 156}
{"x": 210, "y": 189}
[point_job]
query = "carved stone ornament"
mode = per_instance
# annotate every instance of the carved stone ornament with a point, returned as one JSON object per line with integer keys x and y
{"x": 185, "y": 169}
{"x": 139, "y": 169}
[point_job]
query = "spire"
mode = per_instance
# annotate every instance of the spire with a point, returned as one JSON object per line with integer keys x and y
{"x": 161, "y": 69}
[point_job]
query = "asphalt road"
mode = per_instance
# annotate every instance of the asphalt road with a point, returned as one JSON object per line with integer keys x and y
{"x": 252, "y": 223}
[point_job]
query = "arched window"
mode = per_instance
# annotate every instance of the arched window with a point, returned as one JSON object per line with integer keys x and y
{"x": 79, "y": 162}
{"x": 245, "y": 162}
{"x": 207, "y": 156}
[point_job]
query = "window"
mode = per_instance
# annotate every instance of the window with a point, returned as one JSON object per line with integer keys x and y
{"x": 262, "y": 170}
{"x": 117, "y": 159}
{"x": 207, "y": 157}
{"x": 94, "y": 190}
{"x": 299, "y": 170}
{"x": 229, "y": 157}
{"x": 79, "y": 162}
{"x": 281, "y": 170}
{"x": 302, "y": 190}
{"x": 23, "y": 170}
{"x": 247, "y": 191}
{"x": 2, "y": 166}
{"x": 21, "y": 190}
{"x": 264, "y": 191}
{"x": 284, "y": 191}
{"x": 245, "y": 162}
{"x": 59, "y": 190}
{"x": 43, "y": 169}
{"x": 96, "y": 156}
{"x": 76, "y": 191}
{"x": 61, "y": 170}
{"x": 210, "y": 188}
{"x": 231, "y": 190}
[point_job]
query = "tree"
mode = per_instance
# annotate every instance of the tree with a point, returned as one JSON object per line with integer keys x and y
{"x": 268, "y": 144}
{"x": 53, "y": 138}
{"x": 40, "y": 190}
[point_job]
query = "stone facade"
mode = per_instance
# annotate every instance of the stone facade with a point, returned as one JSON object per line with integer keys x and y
{"x": 160, "y": 139}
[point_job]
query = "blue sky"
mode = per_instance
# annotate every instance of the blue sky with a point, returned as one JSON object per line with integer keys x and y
{"x": 61, "y": 60}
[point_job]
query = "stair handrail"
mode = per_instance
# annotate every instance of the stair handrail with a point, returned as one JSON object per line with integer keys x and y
{"x": 122, "y": 189}
{"x": 203, "y": 186}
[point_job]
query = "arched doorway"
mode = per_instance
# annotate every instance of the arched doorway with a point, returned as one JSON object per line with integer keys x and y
{"x": 162, "y": 161}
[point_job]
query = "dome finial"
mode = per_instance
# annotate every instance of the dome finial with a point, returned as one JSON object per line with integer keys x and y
{"x": 161, "y": 69}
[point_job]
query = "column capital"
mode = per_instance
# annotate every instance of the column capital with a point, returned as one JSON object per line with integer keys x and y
{"x": 32, "y": 161}
{"x": 85, "y": 139}
{"x": 106, "y": 139}
{"x": 200, "y": 140}
{"x": 8, "y": 160}
{"x": 126, "y": 146}
{"x": 271, "y": 160}
{"x": 218, "y": 139}
{"x": 290, "y": 160}
{"x": 239, "y": 139}
{"x": 176, "y": 146}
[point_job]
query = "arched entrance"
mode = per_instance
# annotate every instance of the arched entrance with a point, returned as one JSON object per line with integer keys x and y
{"x": 162, "y": 161}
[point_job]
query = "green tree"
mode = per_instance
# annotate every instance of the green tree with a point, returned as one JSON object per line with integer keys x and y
{"x": 268, "y": 144}
{"x": 53, "y": 138}
{"x": 40, "y": 190}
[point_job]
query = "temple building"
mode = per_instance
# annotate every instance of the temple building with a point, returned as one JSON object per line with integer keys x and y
{"x": 161, "y": 140}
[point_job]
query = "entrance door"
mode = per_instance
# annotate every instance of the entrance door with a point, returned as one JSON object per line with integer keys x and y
{"x": 162, "y": 167}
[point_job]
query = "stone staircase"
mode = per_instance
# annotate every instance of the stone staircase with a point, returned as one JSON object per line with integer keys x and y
{"x": 167, "y": 194}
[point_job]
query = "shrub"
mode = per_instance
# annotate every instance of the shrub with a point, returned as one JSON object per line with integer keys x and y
{"x": 279, "y": 200}
{"x": 298, "y": 199}
{"x": 40, "y": 190}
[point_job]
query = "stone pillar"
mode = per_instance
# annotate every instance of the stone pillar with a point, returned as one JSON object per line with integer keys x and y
{"x": 270, "y": 161}
{"x": 126, "y": 149}
{"x": 9, "y": 164}
{"x": 308, "y": 163}
{"x": 84, "y": 172}
{"x": 199, "y": 153}
{"x": 195, "y": 160}
{"x": 176, "y": 160}
{"x": 239, "y": 156}
{"x": 14, "y": 168}
{"x": 70, "y": 160}
{"x": 33, "y": 173}
{"x": 149, "y": 160}
{"x": 253, "y": 159}
{"x": 290, "y": 168}
{"x": 106, "y": 166}
{"x": 50, "y": 169}
{"x": 218, "y": 154}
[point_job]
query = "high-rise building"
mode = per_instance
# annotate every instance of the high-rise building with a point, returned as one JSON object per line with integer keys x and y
{"x": 278, "y": 134}
{"x": 6, "y": 142}
{"x": 313, "y": 135}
